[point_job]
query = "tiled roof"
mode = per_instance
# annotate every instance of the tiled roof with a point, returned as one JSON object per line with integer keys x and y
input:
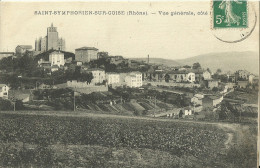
{"x": 1, "y": 85}
{"x": 56, "y": 52}
{"x": 6, "y": 52}
{"x": 178, "y": 72}
{"x": 19, "y": 94}
{"x": 25, "y": 46}
{"x": 95, "y": 69}
{"x": 87, "y": 48}
{"x": 55, "y": 66}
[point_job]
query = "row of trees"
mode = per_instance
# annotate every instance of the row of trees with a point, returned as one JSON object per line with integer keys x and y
{"x": 7, "y": 105}
{"x": 24, "y": 65}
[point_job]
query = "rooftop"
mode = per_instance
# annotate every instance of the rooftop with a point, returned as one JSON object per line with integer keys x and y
{"x": 1, "y": 85}
{"x": 55, "y": 66}
{"x": 25, "y": 46}
{"x": 19, "y": 94}
{"x": 6, "y": 52}
{"x": 213, "y": 97}
{"x": 56, "y": 52}
{"x": 95, "y": 69}
{"x": 87, "y": 48}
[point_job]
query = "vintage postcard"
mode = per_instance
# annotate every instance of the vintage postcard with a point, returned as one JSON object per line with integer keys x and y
{"x": 129, "y": 84}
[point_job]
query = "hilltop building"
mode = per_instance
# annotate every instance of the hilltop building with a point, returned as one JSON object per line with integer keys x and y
{"x": 20, "y": 50}
{"x": 51, "y": 41}
{"x": 86, "y": 54}
{"x": 102, "y": 55}
{"x": 57, "y": 58}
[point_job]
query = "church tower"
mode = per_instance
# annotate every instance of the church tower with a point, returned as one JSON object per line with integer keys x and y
{"x": 52, "y": 38}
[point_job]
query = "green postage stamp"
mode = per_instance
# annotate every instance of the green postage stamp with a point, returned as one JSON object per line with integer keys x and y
{"x": 230, "y": 14}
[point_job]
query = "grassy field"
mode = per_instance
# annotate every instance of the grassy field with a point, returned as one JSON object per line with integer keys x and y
{"x": 95, "y": 141}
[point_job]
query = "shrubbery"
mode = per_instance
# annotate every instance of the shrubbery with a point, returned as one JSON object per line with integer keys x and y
{"x": 5, "y": 104}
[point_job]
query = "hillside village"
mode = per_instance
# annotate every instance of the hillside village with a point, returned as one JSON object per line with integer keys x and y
{"x": 50, "y": 78}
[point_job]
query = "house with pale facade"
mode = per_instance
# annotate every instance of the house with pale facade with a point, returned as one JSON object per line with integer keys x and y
{"x": 191, "y": 77}
{"x": 197, "y": 99}
{"x": 182, "y": 76}
{"x": 211, "y": 83}
{"x": 206, "y": 75}
{"x": 134, "y": 79}
{"x": 4, "y": 91}
{"x": 253, "y": 79}
{"x": 57, "y": 58}
{"x": 242, "y": 74}
{"x": 211, "y": 101}
{"x": 112, "y": 78}
{"x": 98, "y": 75}
{"x": 187, "y": 111}
{"x": 242, "y": 84}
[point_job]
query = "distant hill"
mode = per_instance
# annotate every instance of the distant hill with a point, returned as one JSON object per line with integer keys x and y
{"x": 167, "y": 62}
{"x": 226, "y": 61}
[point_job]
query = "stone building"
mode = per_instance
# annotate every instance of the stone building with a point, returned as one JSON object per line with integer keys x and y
{"x": 51, "y": 41}
{"x": 57, "y": 58}
{"x": 182, "y": 76}
{"x": 20, "y": 50}
{"x": 112, "y": 78}
{"x": 4, "y": 91}
{"x": 134, "y": 79}
{"x": 6, "y": 54}
{"x": 86, "y": 54}
{"x": 98, "y": 75}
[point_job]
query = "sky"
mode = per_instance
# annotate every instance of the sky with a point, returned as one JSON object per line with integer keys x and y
{"x": 169, "y": 37}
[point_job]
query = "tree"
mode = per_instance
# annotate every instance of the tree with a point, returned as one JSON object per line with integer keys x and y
{"x": 86, "y": 77}
{"x": 9, "y": 64}
{"x": 58, "y": 76}
{"x": 19, "y": 105}
{"x": 218, "y": 71}
{"x": 110, "y": 67}
{"x": 214, "y": 89}
{"x": 77, "y": 73}
{"x": 167, "y": 78}
{"x": 27, "y": 65}
{"x": 5, "y": 104}
{"x": 180, "y": 113}
{"x": 196, "y": 66}
{"x": 208, "y": 70}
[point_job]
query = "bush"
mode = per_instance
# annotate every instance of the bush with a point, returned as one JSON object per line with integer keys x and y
{"x": 19, "y": 105}
{"x": 5, "y": 105}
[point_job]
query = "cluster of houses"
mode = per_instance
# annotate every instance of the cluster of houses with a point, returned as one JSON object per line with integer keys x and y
{"x": 131, "y": 79}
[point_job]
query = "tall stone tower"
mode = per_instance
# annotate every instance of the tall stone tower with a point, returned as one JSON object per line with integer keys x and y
{"x": 52, "y": 34}
{"x": 50, "y": 41}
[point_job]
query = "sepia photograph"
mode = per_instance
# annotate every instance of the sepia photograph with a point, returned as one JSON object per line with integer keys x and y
{"x": 129, "y": 84}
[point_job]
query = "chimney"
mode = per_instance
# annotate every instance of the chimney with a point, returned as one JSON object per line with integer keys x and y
{"x": 148, "y": 59}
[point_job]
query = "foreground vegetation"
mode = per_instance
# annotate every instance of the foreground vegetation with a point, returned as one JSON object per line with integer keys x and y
{"x": 52, "y": 141}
